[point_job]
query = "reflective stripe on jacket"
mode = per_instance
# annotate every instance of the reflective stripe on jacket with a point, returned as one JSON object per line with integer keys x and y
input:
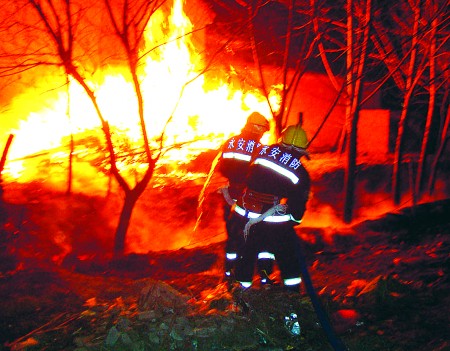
{"x": 273, "y": 218}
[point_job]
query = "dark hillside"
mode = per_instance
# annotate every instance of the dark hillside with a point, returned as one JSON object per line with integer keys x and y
{"x": 383, "y": 280}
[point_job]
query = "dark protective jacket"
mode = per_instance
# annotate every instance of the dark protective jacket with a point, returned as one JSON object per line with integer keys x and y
{"x": 276, "y": 175}
{"x": 235, "y": 160}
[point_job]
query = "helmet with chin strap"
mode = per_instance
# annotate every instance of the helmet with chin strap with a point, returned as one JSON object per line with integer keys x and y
{"x": 257, "y": 123}
{"x": 295, "y": 135}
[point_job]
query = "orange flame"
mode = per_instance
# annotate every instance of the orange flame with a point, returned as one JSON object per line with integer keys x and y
{"x": 198, "y": 115}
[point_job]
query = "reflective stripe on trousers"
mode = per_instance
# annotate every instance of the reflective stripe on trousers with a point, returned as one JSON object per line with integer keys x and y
{"x": 292, "y": 281}
{"x": 246, "y": 285}
{"x": 266, "y": 255}
{"x": 231, "y": 256}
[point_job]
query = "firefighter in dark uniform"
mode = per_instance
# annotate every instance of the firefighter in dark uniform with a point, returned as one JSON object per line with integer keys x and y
{"x": 233, "y": 164}
{"x": 272, "y": 204}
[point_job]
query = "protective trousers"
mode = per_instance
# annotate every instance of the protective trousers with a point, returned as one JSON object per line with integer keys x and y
{"x": 282, "y": 240}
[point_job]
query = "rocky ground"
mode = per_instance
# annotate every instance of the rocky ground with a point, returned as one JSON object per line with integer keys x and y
{"x": 383, "y": 284}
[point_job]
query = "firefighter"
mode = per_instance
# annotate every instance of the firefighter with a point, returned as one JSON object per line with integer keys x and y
{"x": 233, "y": 164}
{"x": 273, "y": 203}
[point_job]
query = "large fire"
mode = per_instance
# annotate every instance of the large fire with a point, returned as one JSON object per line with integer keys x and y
{"x": 192, "y": 115}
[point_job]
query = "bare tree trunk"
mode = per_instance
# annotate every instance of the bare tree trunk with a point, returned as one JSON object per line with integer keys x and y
{"x": 350, "y": 172}
{"x": 398, "y": 153}
{"x": 5, "y": 153}
{"x": 124, "y": 223}
{"x": 2, "y": 165}
{"x": 355, "y": 80}
{"x": 438, "y": 154}
{"x": 131, "y": 194}
{"x": 431, "y": 102}
{"x": 409, "y": 88}
{"x": 350, "y": 60}
{"x": 129, "y": 33}
{"x": 349, "y": 179}
{"x": 131, "y": 197}
{"x": 71, "y": 146}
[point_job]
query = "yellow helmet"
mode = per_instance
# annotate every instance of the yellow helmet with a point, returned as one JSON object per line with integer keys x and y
{"x": 257, "y": 123}
{"x": 295, "y": 136}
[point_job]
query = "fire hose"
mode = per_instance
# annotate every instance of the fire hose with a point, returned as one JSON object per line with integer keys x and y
{"x": 226, "y": 195}
{"x": 333, "y": 339}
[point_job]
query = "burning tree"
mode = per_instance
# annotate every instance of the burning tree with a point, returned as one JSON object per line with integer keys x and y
{"x": 60, "y": 23}
{"x": 79, "y": 41}
{"x": 95, "y": 49}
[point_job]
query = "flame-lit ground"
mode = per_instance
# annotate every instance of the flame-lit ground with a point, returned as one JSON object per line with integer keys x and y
{"x": 384, "y": 282}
